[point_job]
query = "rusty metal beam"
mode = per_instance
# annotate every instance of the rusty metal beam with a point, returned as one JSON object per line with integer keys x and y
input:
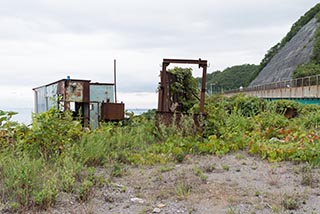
{"x": 199, "y": 62}
{"x": 203, "y": 88}
{"x": 164, "y": 90}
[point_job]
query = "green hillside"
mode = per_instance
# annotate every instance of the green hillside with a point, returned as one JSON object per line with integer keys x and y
{"x": 231, "y": 78}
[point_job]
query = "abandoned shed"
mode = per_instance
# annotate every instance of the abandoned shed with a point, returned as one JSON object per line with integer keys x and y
{"x": 94, "y": 102}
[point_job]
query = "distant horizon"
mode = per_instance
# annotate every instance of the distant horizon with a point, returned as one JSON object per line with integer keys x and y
{"x": 25, "y": 113}
{"x": 23, "y": 97}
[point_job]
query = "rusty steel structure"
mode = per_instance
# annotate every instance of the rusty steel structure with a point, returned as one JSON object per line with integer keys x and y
{"x": 164, "y": 102}
{"x": 94, "y": 102}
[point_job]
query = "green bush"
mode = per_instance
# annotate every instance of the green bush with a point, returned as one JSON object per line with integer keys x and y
{"x": 52, "y": 133}
{"x": 10, "y": 132}
{"x": 21, "y": 179}
{"x": 247, "y": 106}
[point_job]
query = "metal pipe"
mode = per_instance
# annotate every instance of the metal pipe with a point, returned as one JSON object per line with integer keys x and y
{"x": 115, "y": 79}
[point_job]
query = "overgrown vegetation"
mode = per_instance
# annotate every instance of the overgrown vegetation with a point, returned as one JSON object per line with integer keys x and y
{"x": 306, "y": 70}
{"x": 183, "y": 88}
{"x": 56, "y": 155}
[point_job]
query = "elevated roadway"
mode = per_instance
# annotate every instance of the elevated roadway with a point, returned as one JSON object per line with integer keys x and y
{"x": 305, "y": 90}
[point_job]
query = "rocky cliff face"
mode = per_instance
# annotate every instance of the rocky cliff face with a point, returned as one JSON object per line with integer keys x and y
{"x": 297, "y": 51}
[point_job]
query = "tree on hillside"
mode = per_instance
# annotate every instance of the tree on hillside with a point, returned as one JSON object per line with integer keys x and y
{"x": 231, "y": 78}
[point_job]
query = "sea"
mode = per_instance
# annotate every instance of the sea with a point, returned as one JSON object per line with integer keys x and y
{"x": 24, "y": 115}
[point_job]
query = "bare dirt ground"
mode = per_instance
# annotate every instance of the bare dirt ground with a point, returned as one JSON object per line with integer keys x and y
{"x": 235, "y": 183}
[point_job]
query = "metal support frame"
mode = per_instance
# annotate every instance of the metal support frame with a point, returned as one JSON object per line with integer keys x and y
{"x": 164, "y": 100}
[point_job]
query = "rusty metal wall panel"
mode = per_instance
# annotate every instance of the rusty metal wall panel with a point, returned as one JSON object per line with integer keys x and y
{"x": 77, "y": 91}
{"x": 86, "y": 91}
{"x": 101, "y": 93}
{"x": 61, "y": 88}
{"x": 112, "y": 111}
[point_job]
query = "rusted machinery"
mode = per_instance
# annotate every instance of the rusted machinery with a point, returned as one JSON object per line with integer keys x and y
{"x": 166, "y": 108}
{"x": 94, "y": 102}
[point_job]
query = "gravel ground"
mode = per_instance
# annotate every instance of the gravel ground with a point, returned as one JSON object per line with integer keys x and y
{"x": 235, "y": 183}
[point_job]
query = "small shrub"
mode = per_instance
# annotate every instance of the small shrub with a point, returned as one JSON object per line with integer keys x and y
{"x": 14, "y": 206}
{"x": 183, "y": 189}
{"x": 306, "y": 177}
{"x": 117, "y": 170}
{"x": 198, "y": 172}
{"x": 85, "y": 189}
{"x": 273, "y": 177}
{"x": 46, "y": 197}
{"x": 179, "y": 157}
{"x": 225, "y": 167}
{"x": 240, "y": 156}
{"x": 166, "y": 168}
{"x": 210, "y": 167}
{"x": 182, "y": 185}
{"x": 290, "y": 202}
{"x": 232, "y": 210}
{"x": 69, "y": 169}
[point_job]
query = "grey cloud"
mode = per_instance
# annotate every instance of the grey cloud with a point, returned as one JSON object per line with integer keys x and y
{"x": 42, "y": 31}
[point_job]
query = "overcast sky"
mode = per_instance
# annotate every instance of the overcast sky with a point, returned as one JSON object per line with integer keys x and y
{"x": 42, "y": 41}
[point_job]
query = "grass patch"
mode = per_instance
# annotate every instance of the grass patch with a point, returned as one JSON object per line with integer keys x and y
{"x": 55, "y": 154}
